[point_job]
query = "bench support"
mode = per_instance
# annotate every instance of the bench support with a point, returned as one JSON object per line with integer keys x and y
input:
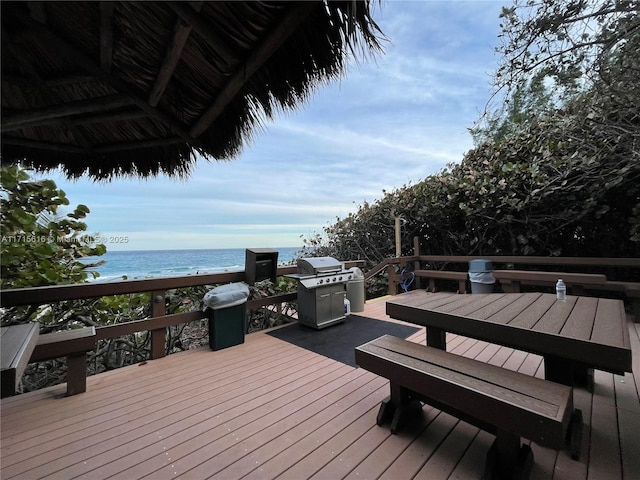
{"x": 507, "y": 459}
{"x": 76, "y": 374}
{"x": 508, "y": 404}
{"x": 72, "y": 344}
{"x": 401, "y": 404}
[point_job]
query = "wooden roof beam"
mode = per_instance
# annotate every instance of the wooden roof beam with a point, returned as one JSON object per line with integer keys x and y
{"x": 257, "y": 59}
{"x": 157, "y": 142}
{"x": 54, "y": 113}
{"x": 202, "y": 28}
{"x": 181, "y": 33}
{"x": 56, "y": 147}
{"x": 106, "y": 35}
{"x": 38, "y": 30}
{"x": 48, "y": 82}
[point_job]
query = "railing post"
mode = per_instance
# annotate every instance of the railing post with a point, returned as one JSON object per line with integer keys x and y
{"x": 416, "y": 264}
{"x": 392, "y": 279}
{"x": 158, "y": 336}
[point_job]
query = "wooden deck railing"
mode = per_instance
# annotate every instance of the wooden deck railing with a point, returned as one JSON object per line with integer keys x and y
{"x": 598, "y": 275}
{"x": 159, "y": 320}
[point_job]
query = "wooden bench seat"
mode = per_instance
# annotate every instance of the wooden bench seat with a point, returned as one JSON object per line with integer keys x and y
{"x": 432, "y": 275}
{"x": 631, "y": 291}
{"x": 511, "y": 280}
{"x": 16, "y": 345}
{"x": 506, "y": 403}
{"x": 72, "y": 344}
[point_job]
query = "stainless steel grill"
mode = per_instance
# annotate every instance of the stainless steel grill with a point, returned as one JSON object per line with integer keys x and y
{"x": 321, "y": 282}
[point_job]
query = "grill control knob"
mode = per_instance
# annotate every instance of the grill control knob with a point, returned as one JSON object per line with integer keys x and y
{"x": 320, "y": 281}
{"x": 340, "y": 278}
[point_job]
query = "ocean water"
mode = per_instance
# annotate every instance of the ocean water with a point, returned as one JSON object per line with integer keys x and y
{"x": 173, "y": 263}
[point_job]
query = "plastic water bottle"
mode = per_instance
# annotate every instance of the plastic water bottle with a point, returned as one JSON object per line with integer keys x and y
{"x": 561, "y": 291}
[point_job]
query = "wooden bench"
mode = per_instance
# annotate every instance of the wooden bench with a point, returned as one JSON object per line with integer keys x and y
{"x": 16, "y": 345}
{"x": 461, "y": 277}
{"x": 73, "y": 344}
{"x": 511, "y": 280}
{"x": 631, "y": 291}
{"x": 503, "y": 402}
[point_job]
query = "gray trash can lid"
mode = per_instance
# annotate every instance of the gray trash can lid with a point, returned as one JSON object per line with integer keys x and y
{"x": 480, "y": 265}
{"x": 226, "y": 296}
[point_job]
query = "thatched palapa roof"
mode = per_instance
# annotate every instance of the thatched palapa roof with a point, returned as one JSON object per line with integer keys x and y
{"x": 139, "y": 88}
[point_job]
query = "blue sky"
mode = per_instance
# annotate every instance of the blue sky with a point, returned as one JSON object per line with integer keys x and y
{"x": 396, "y": 119}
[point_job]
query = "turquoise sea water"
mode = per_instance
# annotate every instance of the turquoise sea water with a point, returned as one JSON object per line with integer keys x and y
{"x": 173, "y": 263}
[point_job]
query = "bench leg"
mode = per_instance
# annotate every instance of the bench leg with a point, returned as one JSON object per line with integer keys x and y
{"x": 76, "y": 374}
{"x": 507, "y": 459}
{"x": 574, "y": 434}
{"x": 397, "y": 407}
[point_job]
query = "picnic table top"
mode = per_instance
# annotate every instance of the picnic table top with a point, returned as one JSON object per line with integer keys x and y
{"x": 589, "y": 330}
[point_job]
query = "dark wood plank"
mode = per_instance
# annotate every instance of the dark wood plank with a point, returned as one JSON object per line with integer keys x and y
{"x": 455, "y": 445}
{"x": 207, "y": 401}
{"x": 387, "y": 452}
{"x": 581, "y": 321}
{"x": 477, "y": 372}
{"x": 605, "y": 447}
{"x": 419, "y": 452}
{"x": 533, "y": 313}
{"x": 605, "y": 327}
{"x": 74, "y": 344}
{"x": 556, "y": 317}
{"x": 518, "y": 307}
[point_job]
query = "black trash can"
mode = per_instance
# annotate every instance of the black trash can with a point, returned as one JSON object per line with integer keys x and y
{"x": 226, "y": 309}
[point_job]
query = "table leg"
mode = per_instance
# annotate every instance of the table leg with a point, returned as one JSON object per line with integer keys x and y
{"x": 558, "y": 370}
{"x": 583, "y": 376}
{"x": 568, "y": 373}
{"x": 436, "y": 337}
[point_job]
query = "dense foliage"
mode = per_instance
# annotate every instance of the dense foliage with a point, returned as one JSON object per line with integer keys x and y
{"x": 40, "y": 245}
{"x": 552, "y": 173}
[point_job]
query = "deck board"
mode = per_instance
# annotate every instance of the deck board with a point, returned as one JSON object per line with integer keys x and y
{"x": 267, "y": 409}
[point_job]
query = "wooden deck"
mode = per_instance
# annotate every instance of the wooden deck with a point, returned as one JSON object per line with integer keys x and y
{"x": 267, "y": 409}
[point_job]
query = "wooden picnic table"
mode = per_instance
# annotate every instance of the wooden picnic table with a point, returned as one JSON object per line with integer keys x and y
{"x": 574, "y": 336}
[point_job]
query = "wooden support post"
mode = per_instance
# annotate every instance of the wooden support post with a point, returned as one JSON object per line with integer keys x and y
{"x": 506, "y": 459}
{"x": 437, "y": 338}
{"x": 402, "y": 403}
{"x": 416, "y": 264}
{"x": 76, "y": 373}
{"x": 392, "y": 279}
{"x": 158, "y": 337}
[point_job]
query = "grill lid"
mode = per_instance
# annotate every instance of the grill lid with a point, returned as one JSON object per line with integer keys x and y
{"x": 318, "y": 265}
